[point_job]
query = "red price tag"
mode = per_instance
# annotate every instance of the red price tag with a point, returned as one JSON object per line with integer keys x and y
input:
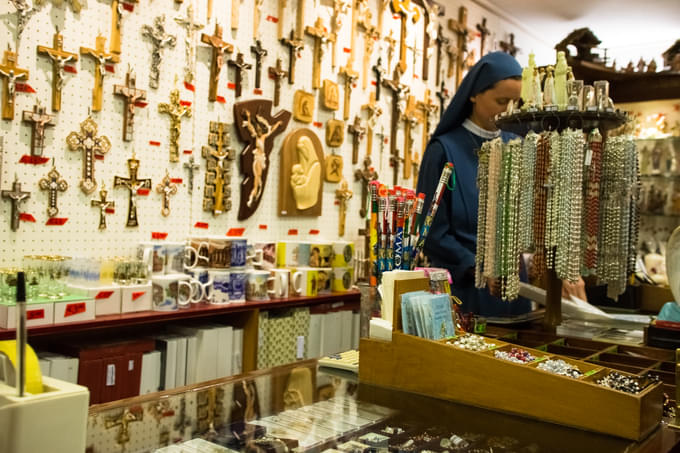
{"x": 70, "y": 69}
{"x": 110, "y": 210}
{"x": 110, "y": 68}
{"x": 313, "y": 231}
{"x": 293, "y": 232}
{"x": 35, "y": 314}
{"x": 231, "y": 85}
{"x": 99, "y": 156}
{"x": 103, "y": 295}
{"x": 56, "y": 221}
{"x": 189, "y": 86}
{"x": 33, "y": 160}
{"x": 143, "y": 191}
{"x": 273, "y": 19}
{"x": 187, "y": 151}
{"x": 23, "y": 88}
{"x": 374, "y": 83}
{"x": 203, "y": 225}
{"x": 221, "y": 100}
{"x": 158, "y": 235}
{"x": 74, "y": 309}
{"x": 141, "y": 104}
{"x": 176, "y": 180}
{"x": 25, "y": 217}
{"x": 262, "y": 227}
{"x": 235, "y": 232}
{"x": 347, "y": 50}
{"x": 154, "y": 143}
{"x": 137, "y": 294}
{"x": 257, "y": 91}
{"x": 318, "y": 124}
{"x": 128, "y": 7}
{"x": 185, "y": 103}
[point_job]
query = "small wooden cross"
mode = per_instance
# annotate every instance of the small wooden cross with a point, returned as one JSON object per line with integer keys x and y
{"x": 159, "y": 39}
{"x": 509, "y": 46}
{"x": 451, "y": 54}
{"x": 131, "y": 95}
{"x": 117, "y": 9}
{"x": 240, "y": 66}
{"x": 364, "y": 176}
{"x": 101, "y": 59}
{"x": 321, "y": 37}
{"x": 53, "y": 183}
{"x": 370, "y": 37}
{"x": 39, "y": 121}
{"x": 277, "y": 73}
{"x": 105, "y": 206}
{"x": 219, "y": 48}
{"x": 442, "y": 43}
{"x": 166, "y": 188}
{"x": 217, "y": 193}
{"x": 431, "y": 32}
{"x": 350, "y": 77}
{"x": 259, "y": 52}
{"x": 379, "y": 72}
{"x": 59, "y": 58}
{"x": 404, "y": 8}
{"x": 191, "y": 166}
{"x": 339, "y": 9}
{"x": 176, "y": 111}
{"x": 359, "y": 132}
{"x": 463, "y": 32}
{"x": 410, "y": 119}
{"x": 191, "y": 26}
{"x": 300, "y": 19}
{"x": 428, "y": 110}
{"x": 281, "y": 15}
{"x": 343, "y": 194}
{"x": 483, "y": 33}
{"x": 16, "y": 197}
{"x": 257, "y": 13}
{"x": 442, "y": 95}
{"x": 133, "y": 184}
{"x": 294, "y": 48}
{"x": 374, "y": 111}
{"x": 128, "y": 416}
{"x": 399, "y": 93}
{"x": 10, "y": 73}
{"x": 91, "y": 146}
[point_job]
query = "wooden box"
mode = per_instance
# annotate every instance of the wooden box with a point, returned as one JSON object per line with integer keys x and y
{"x": 440, "y": 370}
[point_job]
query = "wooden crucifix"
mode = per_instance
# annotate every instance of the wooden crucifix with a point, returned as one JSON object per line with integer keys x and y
{"x": 259, "y": 52}
{"x": 131, "y": 95}
{"x": 483, "y": 33}
{"x": 240, "y": 66}
{"x": 442, "y": 44}
{"x": 105, "y": 206}
{"x": 399, "y": 93}
{"x": 219, "y": 48}
{"x": 370, "y": 37}
{"x": 257, "y": 127}
{"x": 257, "y": 14}
{"x": 159, "y": 40}
{"x": 451, "y": 53}
{"x": 15, "y": 196}
{"x": 343, "y": 194}
{"x": 431, "y": 33}
{"x": 283, "y": 4}
{"x": 10, "y": 73}
{"x": 176, "y": 111}
{"x": 53, "y": 183}
{"x": 379, "y": 72}
{"x": 442, "y": 95}
{"x": 92, "y": 147}
{"x": 391, "y": 43}
{"x": 166, "y": 188}
{"x": 277, "y": 73}
{"x": 191, "y": 166}
{"x": 351, "y": 76}
{"x": 410, "y": 119}
{"x": 358, "y": 131}
{"x": 463, "y": 33}
{"x": 191, "y": 26}
{"x": 117, "y": 9}
{"x": 300, "y": 19}
{"x": 101, "y": 58}
{"x": 321, "y": 37}
{"x": 509, "y": 45}
{"x": 59, "y": 59}
{"x": 365, "y": 175}
{"x": 218, "y": 155}
{"x": 39, "y": 120}
{"x": 339, "y": 9}
{"x": 235, "y": 13}
{"x": 132, "y": 183}
{"x": 428, "y": 110}
{"x": 294, "y": 47}
{"x": 374, "y": 111}
{"x": 404, "y": 8}
{"x": 382, "y": 6}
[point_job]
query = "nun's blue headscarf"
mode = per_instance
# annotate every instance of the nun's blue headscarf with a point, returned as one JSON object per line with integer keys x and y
{"x": 490, "y": 69}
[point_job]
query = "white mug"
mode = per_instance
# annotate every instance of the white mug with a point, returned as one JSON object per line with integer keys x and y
{"x": 153, "y": 254}
{"x": 173, "y": 291}
{"x": 282, "y": 283}
{"x": 257, "y": 286}
{"x": 305, "y": 279}
{"x": 179, "y": 257}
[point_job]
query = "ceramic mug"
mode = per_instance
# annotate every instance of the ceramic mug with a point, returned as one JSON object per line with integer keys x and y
{"x": 179, "y": 257}
{"x": 342, "y": 279}
{"x": 239, "y": 255}
{"x": 324, "y": 280}
{"x": 343, "y": 254}
{"x": 170, "y": 292}
{"x": 152, "y": 253}
{"x": 283, "y": 286}
{"x": 221, "y": 286}
{"x": 200, "y": 243}
{"x": 320, "y": 255}
{"x": 202, "y": 274}
{"x": 305, "y": 278}
{"x": 258, "y": 285}
{"x": 292, "y": 253}
{"x": 267, "y": 252}
{"x": 238, "y": 280}
{"x": 219, "y": 252}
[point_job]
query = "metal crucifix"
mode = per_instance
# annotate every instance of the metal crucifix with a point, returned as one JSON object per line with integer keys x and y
{"x": 166, "y": 188}
{"x": 105, "y": 206}
{"x": 191, "y": 26}
{"x": 176, "y": 110}
{"x": 131, "y": 95}
{"x": 53, "y": 183}
{"x": 159, "y": 39}
{"x": 39, "y": 120}
{"x": 15, "y": 196}
{"x": 133, "y": 184}
{"x": 91, "y": 146}
{"x": 240, "y": 66}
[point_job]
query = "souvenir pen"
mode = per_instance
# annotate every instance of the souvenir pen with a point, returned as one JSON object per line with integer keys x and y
{"x": 436, "y": 200}
{"x": 373, "y": 244}
{"x": 399, "y": 236}
{"x": 408, "y": 221}
{"x": 21, "y": 333}
{"x": 392, "y": 228}
{"x": 384, "y": 234}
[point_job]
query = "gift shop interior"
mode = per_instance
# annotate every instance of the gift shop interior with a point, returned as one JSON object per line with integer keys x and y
{"x": 334, "y": 225}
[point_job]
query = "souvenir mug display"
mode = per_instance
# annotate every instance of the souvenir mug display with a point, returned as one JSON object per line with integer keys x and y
{"x": 343, "y": 254}
{"x": 258, "y": 286}
{"x": 342, "y": 279}
{"x": 203, "y": 276}
{"x": 238, "y": 278}
{"x": 173, "y": 291}
{"x": 221, "y": 284}
{"x": 320, "y": 255}
{"x": 292, "y": 253}
{"x": 284, "y": 286}
{"x": 305, "y": 278}
{"x": 239, "y": 249}
{"x": 324, "y": 280}
{"x": 267, "y": 253}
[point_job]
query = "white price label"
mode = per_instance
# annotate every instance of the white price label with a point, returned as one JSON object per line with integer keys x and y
{"x": 110, "y": 375}
{"x": 301, "y": 347}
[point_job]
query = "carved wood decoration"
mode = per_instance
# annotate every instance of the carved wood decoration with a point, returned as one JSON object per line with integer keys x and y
{"x": 303, "y": 106}
{"x": 301, "y": 174}
{"x": 218, "y": 156}
{"x": 256, "y": 126}
{"x": 335, "y": 133}
{"x": 101, "y": 59}
{"x": 333, "y": 170}
{"x": 331, "y": 96}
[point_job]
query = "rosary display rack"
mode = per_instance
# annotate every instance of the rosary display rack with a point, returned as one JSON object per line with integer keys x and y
{"x": 521, "y": 123}
{"x": 480, "y": 379}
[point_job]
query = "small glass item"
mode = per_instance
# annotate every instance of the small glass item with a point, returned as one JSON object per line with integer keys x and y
{"x": 602, "y": 94}
{"x": 589, "y": 98}
{"x": 575, "y": 95}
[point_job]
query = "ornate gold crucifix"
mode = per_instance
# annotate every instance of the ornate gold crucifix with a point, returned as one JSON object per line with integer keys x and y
{"x": 105, "y": 206}
{"x": 176, "y": 111}
{"x": 53, "y": 183}
{"x": 59, "y": 59}
{"x": 91, "y": 146}
{"x": 132, "y": 183}
{"x": 101, "y": 58}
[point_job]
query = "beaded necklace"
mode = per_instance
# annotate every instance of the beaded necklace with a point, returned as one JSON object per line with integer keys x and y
{"x": 591, "y": 218}
{"x": 483, "y": 186}
{"x": 541, "y": 173}
{"x": 526, "y": 207}
{"x": 495, "y": 151}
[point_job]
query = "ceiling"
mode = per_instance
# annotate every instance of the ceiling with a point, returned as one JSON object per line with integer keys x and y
{"x": 629, "y": 29}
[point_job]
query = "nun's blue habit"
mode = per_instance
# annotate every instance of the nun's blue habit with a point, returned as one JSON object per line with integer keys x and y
{"x": 452, "y": 240}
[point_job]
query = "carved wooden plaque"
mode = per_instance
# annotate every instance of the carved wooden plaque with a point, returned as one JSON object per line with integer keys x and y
{"x": 301, "y": 174}
{"x": 256, "y": 126}
{"x": 303, "y": 106}
{"x": 331, "y": 98}
{"x": 333, "y": 168}
{"x": 335, "y": 133}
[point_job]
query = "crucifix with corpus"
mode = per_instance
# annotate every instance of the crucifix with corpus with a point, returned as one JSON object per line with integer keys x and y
{"x": 101, "y": 59}
{"x": 92, "y": 147}
{"x": 10, "y": 73}
{"x": 365, "y": 175}
{"x": 131, "y": 95}
{"x": 15, "y": 196}
{"x": 117, "y": 8}
{"x": 191, "y": 26}
{"x": 219, "y": 48}
{"x": 404, "y": 9}
{"x": 295, "y": 45}
{"x": 460, "y": 28}
{"x": 277, "y": 73}
{"x": 176, "y": 110}
{"x": 483, "y": 33}
{"x": 166, "y": 188}
{"x": 132, "y": 183}
{"x": 218, "y": 155}
{"x": 411, "y": 119}
{"x": 39, "y": 120}
{"x": 59, "y": 59}
{"x": 374, "y": 112}
{"x": 159, "y": 39}
{"x": 399, "y": 93}
{"x": 321, "y": 38}
{"x": 259, "y": 52}
{"x": 240, "y": 67}
{"x": 105, "y": 206}
{"x": 339, "y": 9}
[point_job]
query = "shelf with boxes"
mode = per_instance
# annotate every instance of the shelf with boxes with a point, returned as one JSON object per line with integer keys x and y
{"x": 600, "y": 399}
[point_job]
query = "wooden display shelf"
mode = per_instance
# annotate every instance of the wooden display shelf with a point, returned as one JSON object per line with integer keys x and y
{"x": 193, "y": 312}
{"x": 437, "y": 369}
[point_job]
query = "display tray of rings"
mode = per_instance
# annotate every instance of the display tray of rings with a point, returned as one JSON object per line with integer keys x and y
{"x": 521, "y": 122}
{"x": 493, "y": 374}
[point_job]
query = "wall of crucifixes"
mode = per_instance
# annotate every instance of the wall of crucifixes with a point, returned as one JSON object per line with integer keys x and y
{"x": 130, "y": 100}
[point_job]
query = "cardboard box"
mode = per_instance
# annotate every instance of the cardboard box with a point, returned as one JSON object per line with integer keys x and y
{"x": 40, "y": 313}
{"x": 107, "y": 299}
{"x": 73, "y": 309}
{"x": 135, "y": 298}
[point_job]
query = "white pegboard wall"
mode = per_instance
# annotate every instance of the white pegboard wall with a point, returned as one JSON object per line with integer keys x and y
{"x": 80, "y": 235}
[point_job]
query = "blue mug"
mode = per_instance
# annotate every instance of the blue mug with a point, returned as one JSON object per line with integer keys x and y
{"x": 238, "y": 280}
{"x": 221, "y": 286}
{"x": 239, "y": 249}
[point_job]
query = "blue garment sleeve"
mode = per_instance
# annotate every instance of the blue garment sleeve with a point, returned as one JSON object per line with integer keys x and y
{"x": 441, "y": 246}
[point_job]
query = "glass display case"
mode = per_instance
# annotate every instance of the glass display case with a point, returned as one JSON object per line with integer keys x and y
{"x": 302, "y": 407}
